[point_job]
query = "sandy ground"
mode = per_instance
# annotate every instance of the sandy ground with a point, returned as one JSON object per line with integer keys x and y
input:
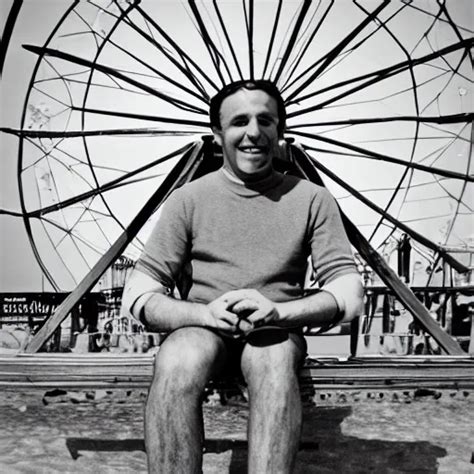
{"x": 344, "y": 433}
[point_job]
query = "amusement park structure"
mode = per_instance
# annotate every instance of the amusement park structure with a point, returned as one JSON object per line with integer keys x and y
{"x": 115, "y": 118}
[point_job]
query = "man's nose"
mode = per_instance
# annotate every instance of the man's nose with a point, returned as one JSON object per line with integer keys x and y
{"x": 253, "y": 129}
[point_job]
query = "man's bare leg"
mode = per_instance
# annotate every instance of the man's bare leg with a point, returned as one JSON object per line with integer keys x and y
{"x": 173, "y": 417}
{"x": 274, "y": 429}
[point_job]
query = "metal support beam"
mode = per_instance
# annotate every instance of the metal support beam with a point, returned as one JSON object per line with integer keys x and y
{"x": 373, "y": 258}
{"x": 181, "y": 173}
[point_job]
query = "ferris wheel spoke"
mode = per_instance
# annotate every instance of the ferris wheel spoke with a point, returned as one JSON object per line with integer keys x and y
{"x": 49, "y": 96}
{"x": 69, "y": 233}
{"x": 198, "y": 95}
{"x": 213, "y": 51}
{"x": 106, "y": 187}
{"x": 68, "y": 228}
{"x": 29, "y": 133}
{"x": 440, "y": 152}
{"x": 151, "y": 118}
{"x": 377, "y": 76}
{"x": 437, "y": 119}
{"x": 111, "y": 71}
{"x": 55, "y": 186}
{"x": 82, "y": 162}
{"x": 68, "y": 169}
{"x": 437, "y": 16}
{"x": 408, "y": 172}
{"x": 463, "y": 190}
{"x": 152, "y": 40}
{"x": 338, "y": 59}
{"x": 378, "y": 156}
{"x": 89, "y": 29}
{"x": 249, "y": 26}
{"x": 115, "y": 86}
{"x": 8, "y": 30}
{"x": 448, "y": 82}
{"x": 124, "y": 16}
{"x": 49, "y": 154}
{"x": 297, "y": 60}
{"x": 227, "y": 38}
{"x": 398, "y": 188}
{"x": 400, "y": 225}
{"x": 340, "y": 153}
{"x": 36, "y": 253}
{"x": 58, "y": 254}
{"x": 41, "y": 149}
{"x": 351, "y": 50}
{"x": 184, "y": 56}
{"x": 344, "y": 55}
{"x": 272, "y": 37}
{"x": 456, "y": 135}
{"x": 293, "y": 38}
{"x": 372, "y": 100}
{"x": 157, "y": 73}
{"x": 453, "y": 26}
{"x": 333, "y": 54}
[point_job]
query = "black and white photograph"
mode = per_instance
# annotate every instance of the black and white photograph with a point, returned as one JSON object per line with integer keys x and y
{"x": 237, "y": 236}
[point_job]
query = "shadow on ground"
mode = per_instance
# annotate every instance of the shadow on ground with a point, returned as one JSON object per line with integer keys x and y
{"x": 324, "y": 448}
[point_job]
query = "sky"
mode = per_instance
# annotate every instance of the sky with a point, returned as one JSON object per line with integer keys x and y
{"x": 19, "y": 269}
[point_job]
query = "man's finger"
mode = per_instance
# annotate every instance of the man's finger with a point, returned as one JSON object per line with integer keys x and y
{"x": 234, "y": 296}
{"x": 259, "y": 317}
{"x": 245, "y": 305}
{"x": 225, "y": 326}
{"x": 244, "y": 326}
{"x": 228, "y": 317}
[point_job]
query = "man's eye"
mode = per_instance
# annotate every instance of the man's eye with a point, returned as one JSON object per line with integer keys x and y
{"x": 265, "y": 121}
{"x": 239, "y": 122}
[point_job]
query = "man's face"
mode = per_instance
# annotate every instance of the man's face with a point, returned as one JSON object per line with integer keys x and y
{"x": 248, "y": 134}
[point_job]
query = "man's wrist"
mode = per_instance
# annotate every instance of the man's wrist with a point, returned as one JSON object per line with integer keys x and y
{"x": 339, "y": 314}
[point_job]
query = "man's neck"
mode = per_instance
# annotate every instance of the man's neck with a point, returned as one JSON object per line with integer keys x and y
{"x": 250, "y": 180}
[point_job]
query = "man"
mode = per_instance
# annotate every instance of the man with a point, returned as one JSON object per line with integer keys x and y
{"x": 241, "y": 236}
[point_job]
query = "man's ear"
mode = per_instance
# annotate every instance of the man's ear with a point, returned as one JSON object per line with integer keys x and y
{"x": 217, "y": 135}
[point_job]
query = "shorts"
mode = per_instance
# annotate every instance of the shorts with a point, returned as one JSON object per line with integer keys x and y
{"x": 258, "y": 337}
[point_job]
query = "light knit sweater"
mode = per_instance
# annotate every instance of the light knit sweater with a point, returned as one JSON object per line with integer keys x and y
{"x": 223, "y": 235}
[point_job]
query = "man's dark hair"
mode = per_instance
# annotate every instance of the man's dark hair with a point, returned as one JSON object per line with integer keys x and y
{"x": 252, "y": 84}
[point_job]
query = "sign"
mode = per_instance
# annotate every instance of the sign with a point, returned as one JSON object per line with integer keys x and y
{"x": 32, "y": 308}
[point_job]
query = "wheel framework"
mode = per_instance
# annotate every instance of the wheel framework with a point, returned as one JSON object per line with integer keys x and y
{"x": 381, "y": 130}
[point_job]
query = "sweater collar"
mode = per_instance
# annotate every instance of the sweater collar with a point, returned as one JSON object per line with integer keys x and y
{"x": 260, "y": 187}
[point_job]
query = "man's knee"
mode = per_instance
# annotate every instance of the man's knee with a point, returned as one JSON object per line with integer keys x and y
{"x": 188, "y": 358}
{"x": 276, "y": 357}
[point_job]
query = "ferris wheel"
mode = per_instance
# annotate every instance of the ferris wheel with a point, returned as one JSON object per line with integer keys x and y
{"x": 378, "y": 96}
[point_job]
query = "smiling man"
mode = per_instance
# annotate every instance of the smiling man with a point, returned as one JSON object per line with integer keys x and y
{"x": 235, "y": 243}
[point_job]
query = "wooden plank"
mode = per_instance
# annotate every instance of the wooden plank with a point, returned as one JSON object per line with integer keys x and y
{"x": 179, "y": 174}
{"x": 380, "y": 266}
{"x": 117, "y": 371}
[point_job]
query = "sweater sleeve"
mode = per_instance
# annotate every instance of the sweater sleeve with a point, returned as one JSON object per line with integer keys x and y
{"x": 330, "y": 248}
{"x": 166, "y": 251}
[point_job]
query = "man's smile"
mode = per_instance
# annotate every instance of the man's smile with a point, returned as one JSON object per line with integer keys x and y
{"x": 253, "y": 149}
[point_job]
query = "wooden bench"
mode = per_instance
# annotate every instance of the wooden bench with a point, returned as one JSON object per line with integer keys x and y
{"x": 134, "y": 371}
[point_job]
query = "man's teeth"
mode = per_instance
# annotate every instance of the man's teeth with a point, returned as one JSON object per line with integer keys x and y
{"x": 252, "y": 149}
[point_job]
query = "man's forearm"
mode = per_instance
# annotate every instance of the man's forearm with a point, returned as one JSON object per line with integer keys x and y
{"x": 163, "y": 313}
{"x": 344, "y": 295}
{"x": 314, "y": 310}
